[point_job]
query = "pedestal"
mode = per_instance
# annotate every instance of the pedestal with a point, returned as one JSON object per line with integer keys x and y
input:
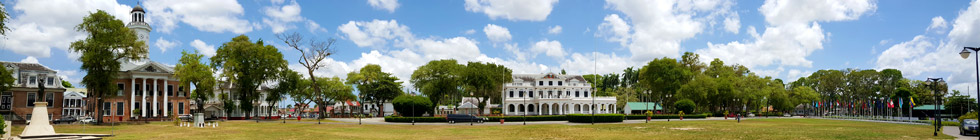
{"x": 198, "y": 119}
{"x": 40, "y": 125}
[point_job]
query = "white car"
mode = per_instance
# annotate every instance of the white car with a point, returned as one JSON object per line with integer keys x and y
{"x": 87, "y": 120}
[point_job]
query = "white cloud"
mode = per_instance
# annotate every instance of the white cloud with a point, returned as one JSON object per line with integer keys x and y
{"x": 389, "y": 5}
{"x": 791, "y": 35}
{"x": 281, "y": 18}
{"x": 469, "y": 32}
{"x": 375, "y": 33}
{"x": 938, "y": 25}
{"x": 657, "y": 27}
{"x": 314, "y": 27}
{"x": 496, "y": 33}
{"x": 165, "y": 44}
{"x": 924, "y": 57}
{"x": 203, "y": 48}
{"x": 29, "y": 59}
{"x": 514, "y": 10}
{"x": 216, "y": 16}
{"x": 518, "y": 54}
{"x": 35, "y": 28}
{"x": 732, "y": 24}
{"x": 589, "y": 63}
{"x": 72, "y": 76}
{"x": 550, "y": 48}
{"x": 554, "y": 30}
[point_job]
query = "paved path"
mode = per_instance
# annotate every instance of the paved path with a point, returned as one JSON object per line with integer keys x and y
{"x": 955, "y": 132}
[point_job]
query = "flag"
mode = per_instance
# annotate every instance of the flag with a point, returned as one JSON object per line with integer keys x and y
{"x": 912, "y": 101}
{"x": 891, "y": 104}
{"x": 900, "y": 102}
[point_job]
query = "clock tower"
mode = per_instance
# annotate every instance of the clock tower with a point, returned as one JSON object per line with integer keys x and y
{"x": 138, "y": 25}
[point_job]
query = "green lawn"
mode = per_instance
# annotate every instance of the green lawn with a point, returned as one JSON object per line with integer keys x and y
{"x": 728, "y": 129}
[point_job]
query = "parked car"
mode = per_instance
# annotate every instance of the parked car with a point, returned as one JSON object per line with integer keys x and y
{"x": 67, "y": 120}
{"x": 86, "y": 120}
{"x": 185, "y": 117}
{"x": 453, "y": 118}
{"x": 968, "y": 126}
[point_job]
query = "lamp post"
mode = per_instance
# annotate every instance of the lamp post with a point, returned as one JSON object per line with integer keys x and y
{"x": 934, "y": 84}
{"x": 966, "y": 54}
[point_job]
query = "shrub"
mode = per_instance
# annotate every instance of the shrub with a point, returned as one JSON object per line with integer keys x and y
{"x": 403, "y": 105}
{"x": 587, "y": 118}
{"x": 417, "y": 119}
{"x": 685, "y": 105}
{"x": 971, "y": 115}
{"x": 668, "y": 116}
{"x": 529, "y": 118}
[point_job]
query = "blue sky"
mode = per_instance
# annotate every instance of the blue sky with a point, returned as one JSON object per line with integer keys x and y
{"x": 782, "y": 39}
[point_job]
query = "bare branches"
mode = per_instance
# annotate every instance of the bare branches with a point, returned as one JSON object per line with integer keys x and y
{"x": 312, "y": 51}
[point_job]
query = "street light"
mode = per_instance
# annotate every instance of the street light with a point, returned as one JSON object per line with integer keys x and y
{"x": 966, "y": 54}
{"x": 935, "y": 83}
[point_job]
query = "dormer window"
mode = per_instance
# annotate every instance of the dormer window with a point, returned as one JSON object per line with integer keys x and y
{"x": 32, "y": 80}
{"x": 51, "y": 81}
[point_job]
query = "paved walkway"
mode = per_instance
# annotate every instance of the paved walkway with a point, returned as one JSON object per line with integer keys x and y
{"x": 955, "y": 132}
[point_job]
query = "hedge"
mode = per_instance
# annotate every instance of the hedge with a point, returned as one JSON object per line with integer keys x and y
{"x": 417, "y": 119}
{"x": 667, "y": 116}
{"x": 529, "y": 118}
{"x": 587, "y": 118}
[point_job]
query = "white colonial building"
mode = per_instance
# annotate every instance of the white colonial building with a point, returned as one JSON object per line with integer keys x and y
{"x": 552, "y": 94}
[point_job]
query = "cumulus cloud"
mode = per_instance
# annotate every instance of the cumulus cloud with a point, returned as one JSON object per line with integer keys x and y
{"x": 375, "y": 33}
{"x": 554, "y": 30}
{"x": 656, "y": 28}
{"x": 496, "y": 33}
{"x": 72, "y": 76}
{"x": 204, "y": 48}
{"x": 550, "y": 48}
{"x": 29, "y": 59}
{"x": 164, "y": 45}
{"x": 938, "y": 25}
{"x": 35, "y": 28}
{"x": 389, "y": 5}
{"x": 792, "y": 33}
{"x": 514, "y": 10}
{"x": 924, "y": 56}
{"x": 280, "y": 18}
{"x": 469, "y": 32}
{"x": 216, "y": 16}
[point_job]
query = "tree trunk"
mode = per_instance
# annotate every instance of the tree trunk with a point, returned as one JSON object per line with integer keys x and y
{"x": 381, "y": 109}
{"x": 481, "y": 104}
{"x": 98, "y": 105}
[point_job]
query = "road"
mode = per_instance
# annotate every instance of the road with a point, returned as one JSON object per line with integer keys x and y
{"x": 955, "y": 132}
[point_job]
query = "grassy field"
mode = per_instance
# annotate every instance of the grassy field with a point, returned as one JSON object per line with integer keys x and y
{"x": 748, "y": 129}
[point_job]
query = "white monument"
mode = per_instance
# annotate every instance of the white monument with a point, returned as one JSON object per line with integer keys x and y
{"x": 40, "y": 125}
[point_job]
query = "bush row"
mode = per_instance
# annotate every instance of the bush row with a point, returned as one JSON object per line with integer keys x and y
{"x": 668, "y": 116}
{"x": 417, "y": 119}
{"x": 529, "y": 118}
{"x": 587, "y": 118}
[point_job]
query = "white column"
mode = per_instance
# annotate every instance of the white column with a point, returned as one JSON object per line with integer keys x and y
{"x": 166, "y": 108}
{"x": 561, "y": 110}
{"x": 143, "y": 97}
{"x": 132, "y": 95}
{"x": 155, "y": 98}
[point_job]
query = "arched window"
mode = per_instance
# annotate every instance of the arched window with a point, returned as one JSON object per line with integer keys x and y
{"x": 510, "y": 108}
{"x": 530, "y": 108}
{"x": 521, "y": 107}
{"x": 578, "y": 107}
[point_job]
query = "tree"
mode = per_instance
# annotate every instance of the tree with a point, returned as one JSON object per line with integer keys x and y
{"x": 438, "y": 79}
{"x": 247, "y": 65}
{"x": 191, "y": 70}
{"x": 663, "y": 77}
{"x": 563, "y": 72}
{"x": 108, "y": 43}
{"x": 334, "y": 89}
{"x": 485, "y": 81}
{"x": 3, "y": 22}
{"x": 302, "y": 94}
{"x": 375, "y": 86}
{"x": 411, "y": 106}
{"x": 311, "y": 54}
{"x": 227, "y": 103}
{"x": 66, "y": 84}
{"x": 288, "y": 82}
{"x": 685, "y": 105}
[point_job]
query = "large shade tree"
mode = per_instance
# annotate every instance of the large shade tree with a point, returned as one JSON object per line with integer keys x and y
{"x": 107, "y": 44}
{"x": 438, "y": 79}
{"x": 247, "y": 65}
{"x": 192, "y": 71}
{"x": 375, "y": 86}
{"x": 485, "y": 81}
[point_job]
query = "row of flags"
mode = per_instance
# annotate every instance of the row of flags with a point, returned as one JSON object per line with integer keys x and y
{"x": 865, "y": 104}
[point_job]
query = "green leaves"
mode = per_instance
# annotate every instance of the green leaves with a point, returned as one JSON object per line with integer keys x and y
{"x": 438, "y": 79}
{"x": 191, "y": 70}
{"x": 485, "y": 81}
{"x": 247, "y": 65}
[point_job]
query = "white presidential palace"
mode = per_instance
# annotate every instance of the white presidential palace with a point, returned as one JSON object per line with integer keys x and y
{"x": 553, "y": 94}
